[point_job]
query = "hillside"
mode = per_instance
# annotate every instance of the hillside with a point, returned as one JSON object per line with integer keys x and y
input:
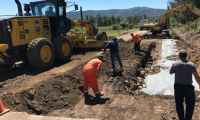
{"x": 136, "y": 11}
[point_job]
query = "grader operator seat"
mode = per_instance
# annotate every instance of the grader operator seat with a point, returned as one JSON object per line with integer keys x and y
{"x": 50, "y": 12}
{"x": 27, "y": 10}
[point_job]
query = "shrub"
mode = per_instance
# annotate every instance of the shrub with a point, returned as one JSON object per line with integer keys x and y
{"x": 115, "y": 27}
{"x": 124, "y": 25}
{"x": 130, "y": 26}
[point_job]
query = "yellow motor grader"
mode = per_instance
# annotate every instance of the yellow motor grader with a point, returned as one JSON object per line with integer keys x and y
{"x": 38, "y": 36}
{"x": 86, "y": 35}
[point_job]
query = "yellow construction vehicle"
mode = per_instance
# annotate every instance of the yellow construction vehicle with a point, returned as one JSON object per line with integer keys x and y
{"x": 38, "y": 37}
{"x": 164, "y": 19}
{"x": 163, "y": 22}
{"x": 86, "y": 35}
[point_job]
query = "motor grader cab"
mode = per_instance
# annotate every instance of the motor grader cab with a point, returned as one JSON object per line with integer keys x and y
{"x": 37, "y": 37}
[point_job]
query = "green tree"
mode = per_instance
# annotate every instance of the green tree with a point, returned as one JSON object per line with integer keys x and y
{"x": 92, "y": 19}
{"x": 99, "y": 20}
{"x": 113, "y": 20}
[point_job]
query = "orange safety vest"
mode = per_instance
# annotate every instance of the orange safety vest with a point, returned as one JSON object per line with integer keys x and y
{"x": 136, "y": 38}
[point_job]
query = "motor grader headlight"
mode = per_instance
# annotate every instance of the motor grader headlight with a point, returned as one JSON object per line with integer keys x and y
{"x": 1, "y": 60}
{"x": 3, "y": 47}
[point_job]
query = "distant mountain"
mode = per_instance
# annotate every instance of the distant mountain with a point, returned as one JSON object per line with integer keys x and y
{"x": 136, "y": 11}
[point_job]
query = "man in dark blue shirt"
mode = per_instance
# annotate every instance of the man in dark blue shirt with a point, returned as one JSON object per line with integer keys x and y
{"x": 113, "y": 46}
{"x": 183, "y": 88}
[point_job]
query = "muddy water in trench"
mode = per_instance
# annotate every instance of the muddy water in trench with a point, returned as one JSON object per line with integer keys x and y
{"x": 162, "y": 82}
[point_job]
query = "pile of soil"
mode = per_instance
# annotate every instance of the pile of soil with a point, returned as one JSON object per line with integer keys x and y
{"x": 56, "y": 93}
{"x": 190, "y": 42}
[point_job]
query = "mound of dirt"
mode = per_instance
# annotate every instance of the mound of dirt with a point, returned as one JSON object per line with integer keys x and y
{"x": 56, "y": 93}
{"x": 190, "y": 42}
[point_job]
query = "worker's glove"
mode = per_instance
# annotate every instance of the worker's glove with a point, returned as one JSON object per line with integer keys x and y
{"x": 101, "y": 93}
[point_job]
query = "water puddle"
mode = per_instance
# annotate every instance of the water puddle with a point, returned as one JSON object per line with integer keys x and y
{"x": 162, "y": 83}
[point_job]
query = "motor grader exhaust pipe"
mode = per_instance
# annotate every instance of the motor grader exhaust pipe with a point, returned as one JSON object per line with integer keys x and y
{"x": 19, "y": 7}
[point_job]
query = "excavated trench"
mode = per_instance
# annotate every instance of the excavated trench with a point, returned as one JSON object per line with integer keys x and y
{"x": 162, "y": 82}
{"x": 62, "y": 92}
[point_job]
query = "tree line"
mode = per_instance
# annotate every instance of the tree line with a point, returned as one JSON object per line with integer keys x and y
{"x": 112, "y": 20}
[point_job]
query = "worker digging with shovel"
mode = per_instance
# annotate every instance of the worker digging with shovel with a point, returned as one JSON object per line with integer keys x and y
{"x": 113, "y": 46}
{"x": 90, "y": 71}
{"x": 136, "y": 39}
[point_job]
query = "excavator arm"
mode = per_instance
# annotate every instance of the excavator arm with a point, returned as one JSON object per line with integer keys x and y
{"x": 180, "y": 8}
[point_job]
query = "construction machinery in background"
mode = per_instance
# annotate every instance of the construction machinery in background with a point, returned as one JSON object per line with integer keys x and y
{"x": 86, "y": 35}
{"x": 182, "y": 8}
{"x": 154, "y": 28}
{"x": 40, "y": 35}
{"x": 163, "y": 22}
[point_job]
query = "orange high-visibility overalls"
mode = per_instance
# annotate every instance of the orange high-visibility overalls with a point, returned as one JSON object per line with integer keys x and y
{"x": 90, "y": 74}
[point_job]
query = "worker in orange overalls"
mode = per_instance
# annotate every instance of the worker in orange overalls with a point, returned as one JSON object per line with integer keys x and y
{"x": 136, "y": 38}
{"x": 90, "y": 71}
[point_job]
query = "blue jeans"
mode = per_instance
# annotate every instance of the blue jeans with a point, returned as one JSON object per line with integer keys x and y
{"x": 115, "y": 58}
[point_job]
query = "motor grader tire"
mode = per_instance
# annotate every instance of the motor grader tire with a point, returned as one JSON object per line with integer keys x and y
{"x": 63, "y": 49}
{"x": 40, "y": 54}
{"x": 102, "y": 36}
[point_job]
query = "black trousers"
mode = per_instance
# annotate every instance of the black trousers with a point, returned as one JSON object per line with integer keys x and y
{"x": 184, "y": 95}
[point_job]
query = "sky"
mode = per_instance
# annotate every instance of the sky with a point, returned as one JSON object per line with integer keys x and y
{"x": 8, "y": 7}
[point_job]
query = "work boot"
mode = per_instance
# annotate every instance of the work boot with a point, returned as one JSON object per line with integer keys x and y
{"x": 117, "y": 73}
{"x": 89, "y": 100}
{"x": 100, "y": 100}
{"x": 114, "y": 73}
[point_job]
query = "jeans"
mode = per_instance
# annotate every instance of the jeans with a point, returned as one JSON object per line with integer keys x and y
{"x": 184, "y": 94}
{"x": 115, "y": 57}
